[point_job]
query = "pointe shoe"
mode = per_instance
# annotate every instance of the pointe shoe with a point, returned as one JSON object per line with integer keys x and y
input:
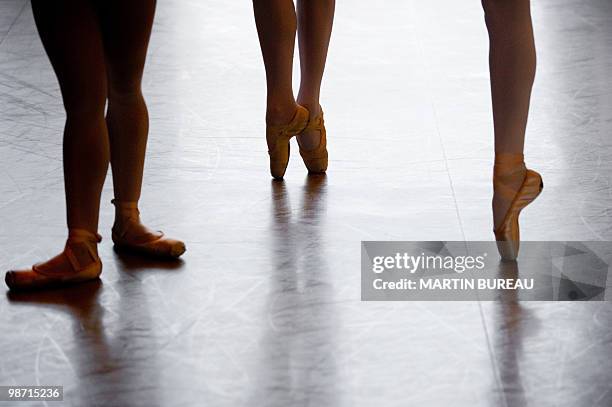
{"x": 78, "y": 262}
{"x": 131, "y": 236}
{"x": 278, "y": 137}
{"x": 316, "y": 159}
{"x": 507, "y": 234}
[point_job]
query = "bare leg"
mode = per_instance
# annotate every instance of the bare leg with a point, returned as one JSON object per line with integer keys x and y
{"x": 70, "y": 35}
{"x": 315, "y": 20}
{"x": 126, "y": 28}
{"x": 512, "y": 61}
{"x": 69, "y": 32}
{"x": 276, "y": 25}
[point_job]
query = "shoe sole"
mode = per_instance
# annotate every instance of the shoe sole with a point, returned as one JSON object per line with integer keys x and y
{"x": 176, "y": 251}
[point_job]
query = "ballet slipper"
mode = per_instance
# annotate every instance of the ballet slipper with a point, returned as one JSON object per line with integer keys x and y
{"x": 316, "y": 159}
{"x": 507, "y": 167}
{"x": 78, "y": 262}
{"x": 278, "y": 137}
{"x": 130, "y": 235}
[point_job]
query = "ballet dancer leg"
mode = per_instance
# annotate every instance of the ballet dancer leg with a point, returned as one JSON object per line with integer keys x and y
{"x": 276, "y": 23}
{"x": 512, "y": 63}
{"x": 126, "y": 29}
{"x": 315, "y": 20}
{"x": 71, "y": 38}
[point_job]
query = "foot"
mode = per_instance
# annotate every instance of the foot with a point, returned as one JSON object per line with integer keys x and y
{"x": 278, "y": 137}
{"x": 310, "y": 139}
{"x": 78, "y": 262}
{"x": 130, "y": 234}
{"x": 313, "y": 142}
{"x": 508, "y": 176}
{"x": 515, "y": 187}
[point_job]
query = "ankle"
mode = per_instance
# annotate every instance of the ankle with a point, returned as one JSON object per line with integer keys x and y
{"x": 277, "y": 114}
{"x": 312, "y": 105}
{"x": 504, "y": 157}
{"x": 507, "y": 164}
{"x": 125, "y": 211}
{"x": 83, "y": 235}
{"x": 83, "y": 244}
{"x": 122, "y": 217}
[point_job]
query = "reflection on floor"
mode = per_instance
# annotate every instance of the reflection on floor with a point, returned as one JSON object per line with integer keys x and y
{"x": 265, "y": 308}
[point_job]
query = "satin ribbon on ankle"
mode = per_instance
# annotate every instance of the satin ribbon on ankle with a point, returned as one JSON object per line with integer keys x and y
{"x": 127, "y": 208}
{"x": 506, "y": 166}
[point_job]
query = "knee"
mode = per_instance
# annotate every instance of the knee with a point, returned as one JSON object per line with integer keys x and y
{"x": 87, "y": 103}
{"x": 493, "y": 12}
{"x": 125, "y": 93}
{"x": 124, "y": 86}
{"x": 500, "y": 14}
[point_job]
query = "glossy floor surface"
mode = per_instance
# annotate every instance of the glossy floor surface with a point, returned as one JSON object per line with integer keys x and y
{"x": 265, "y": 309}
